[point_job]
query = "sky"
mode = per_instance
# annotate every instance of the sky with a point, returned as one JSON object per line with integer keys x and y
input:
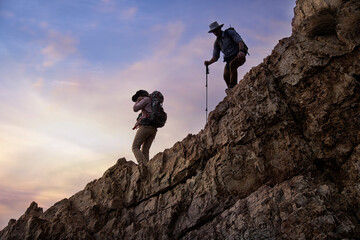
{"x": 68, "y": 70}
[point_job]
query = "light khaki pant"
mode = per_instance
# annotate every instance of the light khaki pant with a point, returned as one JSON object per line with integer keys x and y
{"x": 144, "y": 137}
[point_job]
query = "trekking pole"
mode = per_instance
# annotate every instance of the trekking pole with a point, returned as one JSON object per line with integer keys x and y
{"x": 206, "y": 109}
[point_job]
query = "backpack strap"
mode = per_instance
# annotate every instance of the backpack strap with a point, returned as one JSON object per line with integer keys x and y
{"x": 227, "y": 34}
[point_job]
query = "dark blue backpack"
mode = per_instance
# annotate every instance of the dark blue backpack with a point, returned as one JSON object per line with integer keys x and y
{"x": 227, "y": 34}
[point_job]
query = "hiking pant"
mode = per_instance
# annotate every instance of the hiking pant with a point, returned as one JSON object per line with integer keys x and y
{"x": 230, "y": 70}
{"x": 144, "y": 137}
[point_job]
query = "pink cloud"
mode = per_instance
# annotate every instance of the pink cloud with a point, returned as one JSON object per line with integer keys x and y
{"x": 129, "y": 13}
{"x": 12, "y": 204}
{"x": 59, "y": 47}
{"x": 6, "y": 14}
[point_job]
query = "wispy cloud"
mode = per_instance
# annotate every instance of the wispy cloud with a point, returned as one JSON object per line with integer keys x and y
{"x": 13, "y": 203}
{"x": 6, "y": 14}
{"x": 11, "y": 198}
{"x": 59, "y": 47}
{"x": 68, "y": 83}
{"x": 44, "y": 25}
{"x": 129, "y": 13}
{"x": 107, "y": 6}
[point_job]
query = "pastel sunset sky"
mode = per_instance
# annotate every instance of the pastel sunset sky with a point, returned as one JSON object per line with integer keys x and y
{"x": 68, "y": 69}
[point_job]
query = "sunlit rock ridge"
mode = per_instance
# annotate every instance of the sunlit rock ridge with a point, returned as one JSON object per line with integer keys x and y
{"x": 278, "y": 159}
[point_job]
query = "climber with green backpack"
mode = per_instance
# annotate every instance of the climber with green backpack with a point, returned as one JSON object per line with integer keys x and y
{"x": 151, "y": 118}
{"x": 230, "y": 43}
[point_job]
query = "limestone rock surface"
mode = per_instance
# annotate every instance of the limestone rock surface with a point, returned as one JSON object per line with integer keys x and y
{"x": 278, "y": 159}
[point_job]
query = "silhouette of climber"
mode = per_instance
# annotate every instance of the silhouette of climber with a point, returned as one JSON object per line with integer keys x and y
{"x": 145, "y": 134}
{"x": 230, "y": 43}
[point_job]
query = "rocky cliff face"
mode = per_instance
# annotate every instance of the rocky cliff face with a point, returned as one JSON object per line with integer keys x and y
{"x": 278, "y": 159}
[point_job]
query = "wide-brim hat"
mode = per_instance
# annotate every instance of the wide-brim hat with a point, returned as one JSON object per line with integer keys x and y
{"x": 138, "y": 94}
{"x": 213, "y": 26}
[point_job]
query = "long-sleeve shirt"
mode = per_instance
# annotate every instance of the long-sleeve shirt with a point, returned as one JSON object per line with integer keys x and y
{"x": 145, "y": 106}
{"x": 228, "y": 44}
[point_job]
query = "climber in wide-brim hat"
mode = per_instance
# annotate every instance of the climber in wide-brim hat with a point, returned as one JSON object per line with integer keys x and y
{"x": 213, "y": 26}
{"x": 230, "y": 43}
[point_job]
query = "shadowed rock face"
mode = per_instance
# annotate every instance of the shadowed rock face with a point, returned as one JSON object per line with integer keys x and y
{"x": 278, "y": 159}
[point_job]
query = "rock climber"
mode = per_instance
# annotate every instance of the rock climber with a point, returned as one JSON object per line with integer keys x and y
{"x": 145, "y": 134}
{"x": 230, "y": 43}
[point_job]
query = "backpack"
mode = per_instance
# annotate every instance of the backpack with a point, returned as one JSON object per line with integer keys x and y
{"x": 158, "y": 116}
{"x": 227, "y": 34}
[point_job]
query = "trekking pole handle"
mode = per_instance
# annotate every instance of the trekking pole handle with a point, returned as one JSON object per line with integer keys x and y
{"x": 207, "y": 69}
